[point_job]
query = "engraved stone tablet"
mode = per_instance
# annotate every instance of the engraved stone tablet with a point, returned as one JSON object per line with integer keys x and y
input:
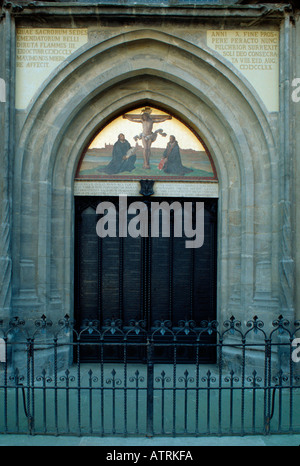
{"x": 39, "y": 52}
{"x": 256, "y": 55}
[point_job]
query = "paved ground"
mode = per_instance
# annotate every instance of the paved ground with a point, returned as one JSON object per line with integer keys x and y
{"x": 257, "y": 440}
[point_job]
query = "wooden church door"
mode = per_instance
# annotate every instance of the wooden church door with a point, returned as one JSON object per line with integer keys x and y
{"x": 144, "y": 278}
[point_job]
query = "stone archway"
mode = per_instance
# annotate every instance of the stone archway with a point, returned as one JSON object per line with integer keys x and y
{"x": 100, "y": 82}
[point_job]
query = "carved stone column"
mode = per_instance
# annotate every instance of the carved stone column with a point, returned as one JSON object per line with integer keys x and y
{"x": 7, "y": 66}
{"x": 286, "y": 140}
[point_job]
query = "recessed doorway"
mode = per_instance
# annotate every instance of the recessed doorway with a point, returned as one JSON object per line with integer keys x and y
{"x": 145, "y": 279}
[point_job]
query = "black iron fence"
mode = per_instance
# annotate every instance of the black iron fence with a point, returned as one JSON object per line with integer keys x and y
{"x": 205, "y": 379}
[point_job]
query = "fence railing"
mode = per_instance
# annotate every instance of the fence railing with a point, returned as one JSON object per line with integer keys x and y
{"x": 205, "y": 379}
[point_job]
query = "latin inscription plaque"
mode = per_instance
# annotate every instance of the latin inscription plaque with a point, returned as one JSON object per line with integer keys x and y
{"x": 256, "y": 55}
{"x": 39, "y": 52}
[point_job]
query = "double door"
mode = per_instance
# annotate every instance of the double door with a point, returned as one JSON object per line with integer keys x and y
{"x": 146, "y": 279}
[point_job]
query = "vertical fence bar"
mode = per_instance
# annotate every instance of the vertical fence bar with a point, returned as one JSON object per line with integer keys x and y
{"x": 102, "y": 387}
{"x": 163, "y": 402}
{"x": 78, "y": 388}
{"x": 42, "y": 378}
{"x": 55, "y": 386}
{"x": 186, "y": 379}
{"x": 17, "y": 381}
{"x": 253, "y": 402}
{"x": 114, "y": 382}
{"x": 136, "y": 379}
{"x": 265, "y": 384}
{"x": 137, "y": 403}
{"x": 29, "y": 351}
{"x": 291, "y": 377}
{"x": 44, "y": 402}
{"x": 174, "y": 386}
{"x": 185, "y": 402}
{"x": 197, "y": 390}
{"x": 220, "y": 346}
{"x": 230, "y": 379}
{"x": 113, "y": 403}
{"x": 254, "y": 379}
{"x": 243, "y": 386}
{"x": 90, "y": 373}
{"x": 90, "y": 402}
{"x": 207, "y": 379}
{"x": 150, "y": 389}
{"x": 67, "y": 379}
{"x": 268, "y": 388}
{"x": 32, "y": 416}
{"x": 280, "y": 381}
{"x": 125, "y": 388}
{"x": 5, "y": 385}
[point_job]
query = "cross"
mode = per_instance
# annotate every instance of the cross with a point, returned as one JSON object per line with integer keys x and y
{"x": 147, "y": 136}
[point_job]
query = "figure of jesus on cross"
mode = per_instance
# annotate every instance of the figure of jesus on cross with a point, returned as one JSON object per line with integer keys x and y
{"x": 147, "y": 136}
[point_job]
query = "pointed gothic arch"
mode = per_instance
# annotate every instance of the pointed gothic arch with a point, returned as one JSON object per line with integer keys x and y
{"x": 147, "y": 66}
